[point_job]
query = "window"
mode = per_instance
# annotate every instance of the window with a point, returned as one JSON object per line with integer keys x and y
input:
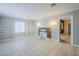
{"x": 19, "y": 27}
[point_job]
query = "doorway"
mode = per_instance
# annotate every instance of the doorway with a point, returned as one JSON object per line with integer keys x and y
{"x": 65, "y": 30}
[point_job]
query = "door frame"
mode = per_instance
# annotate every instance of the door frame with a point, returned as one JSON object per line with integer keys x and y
{"x": 71, "y": 17}
{"x": 68, "y": 27}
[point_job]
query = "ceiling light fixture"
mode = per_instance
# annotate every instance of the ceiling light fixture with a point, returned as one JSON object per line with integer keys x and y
{"x": 38, "y": 25}
{"x": 53, "y": 4}
{"x": 53, "y": 23}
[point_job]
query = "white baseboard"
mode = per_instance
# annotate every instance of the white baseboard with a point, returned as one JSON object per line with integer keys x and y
{"x": 77, "y": 46}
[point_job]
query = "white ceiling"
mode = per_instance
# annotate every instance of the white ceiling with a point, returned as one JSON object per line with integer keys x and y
{"x": 35, "y": 11}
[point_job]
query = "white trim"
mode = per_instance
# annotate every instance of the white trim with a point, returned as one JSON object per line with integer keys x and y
{"x": 77, "y": 46}
{"x": 71, "y": 17}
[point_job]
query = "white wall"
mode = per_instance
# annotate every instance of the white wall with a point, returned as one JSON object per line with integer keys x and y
{"x": 76, "y": 28}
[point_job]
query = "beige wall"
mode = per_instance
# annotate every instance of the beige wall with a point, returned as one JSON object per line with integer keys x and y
{"x": 30, "y": 27}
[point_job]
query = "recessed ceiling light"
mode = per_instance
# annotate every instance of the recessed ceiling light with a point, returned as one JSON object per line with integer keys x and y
{"x": 53, "y": 4}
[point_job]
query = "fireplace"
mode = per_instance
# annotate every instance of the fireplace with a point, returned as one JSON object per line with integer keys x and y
{"x": 44, "y": 32}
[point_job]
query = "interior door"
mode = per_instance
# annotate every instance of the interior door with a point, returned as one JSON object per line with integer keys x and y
{"x": 61, "y": 26}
